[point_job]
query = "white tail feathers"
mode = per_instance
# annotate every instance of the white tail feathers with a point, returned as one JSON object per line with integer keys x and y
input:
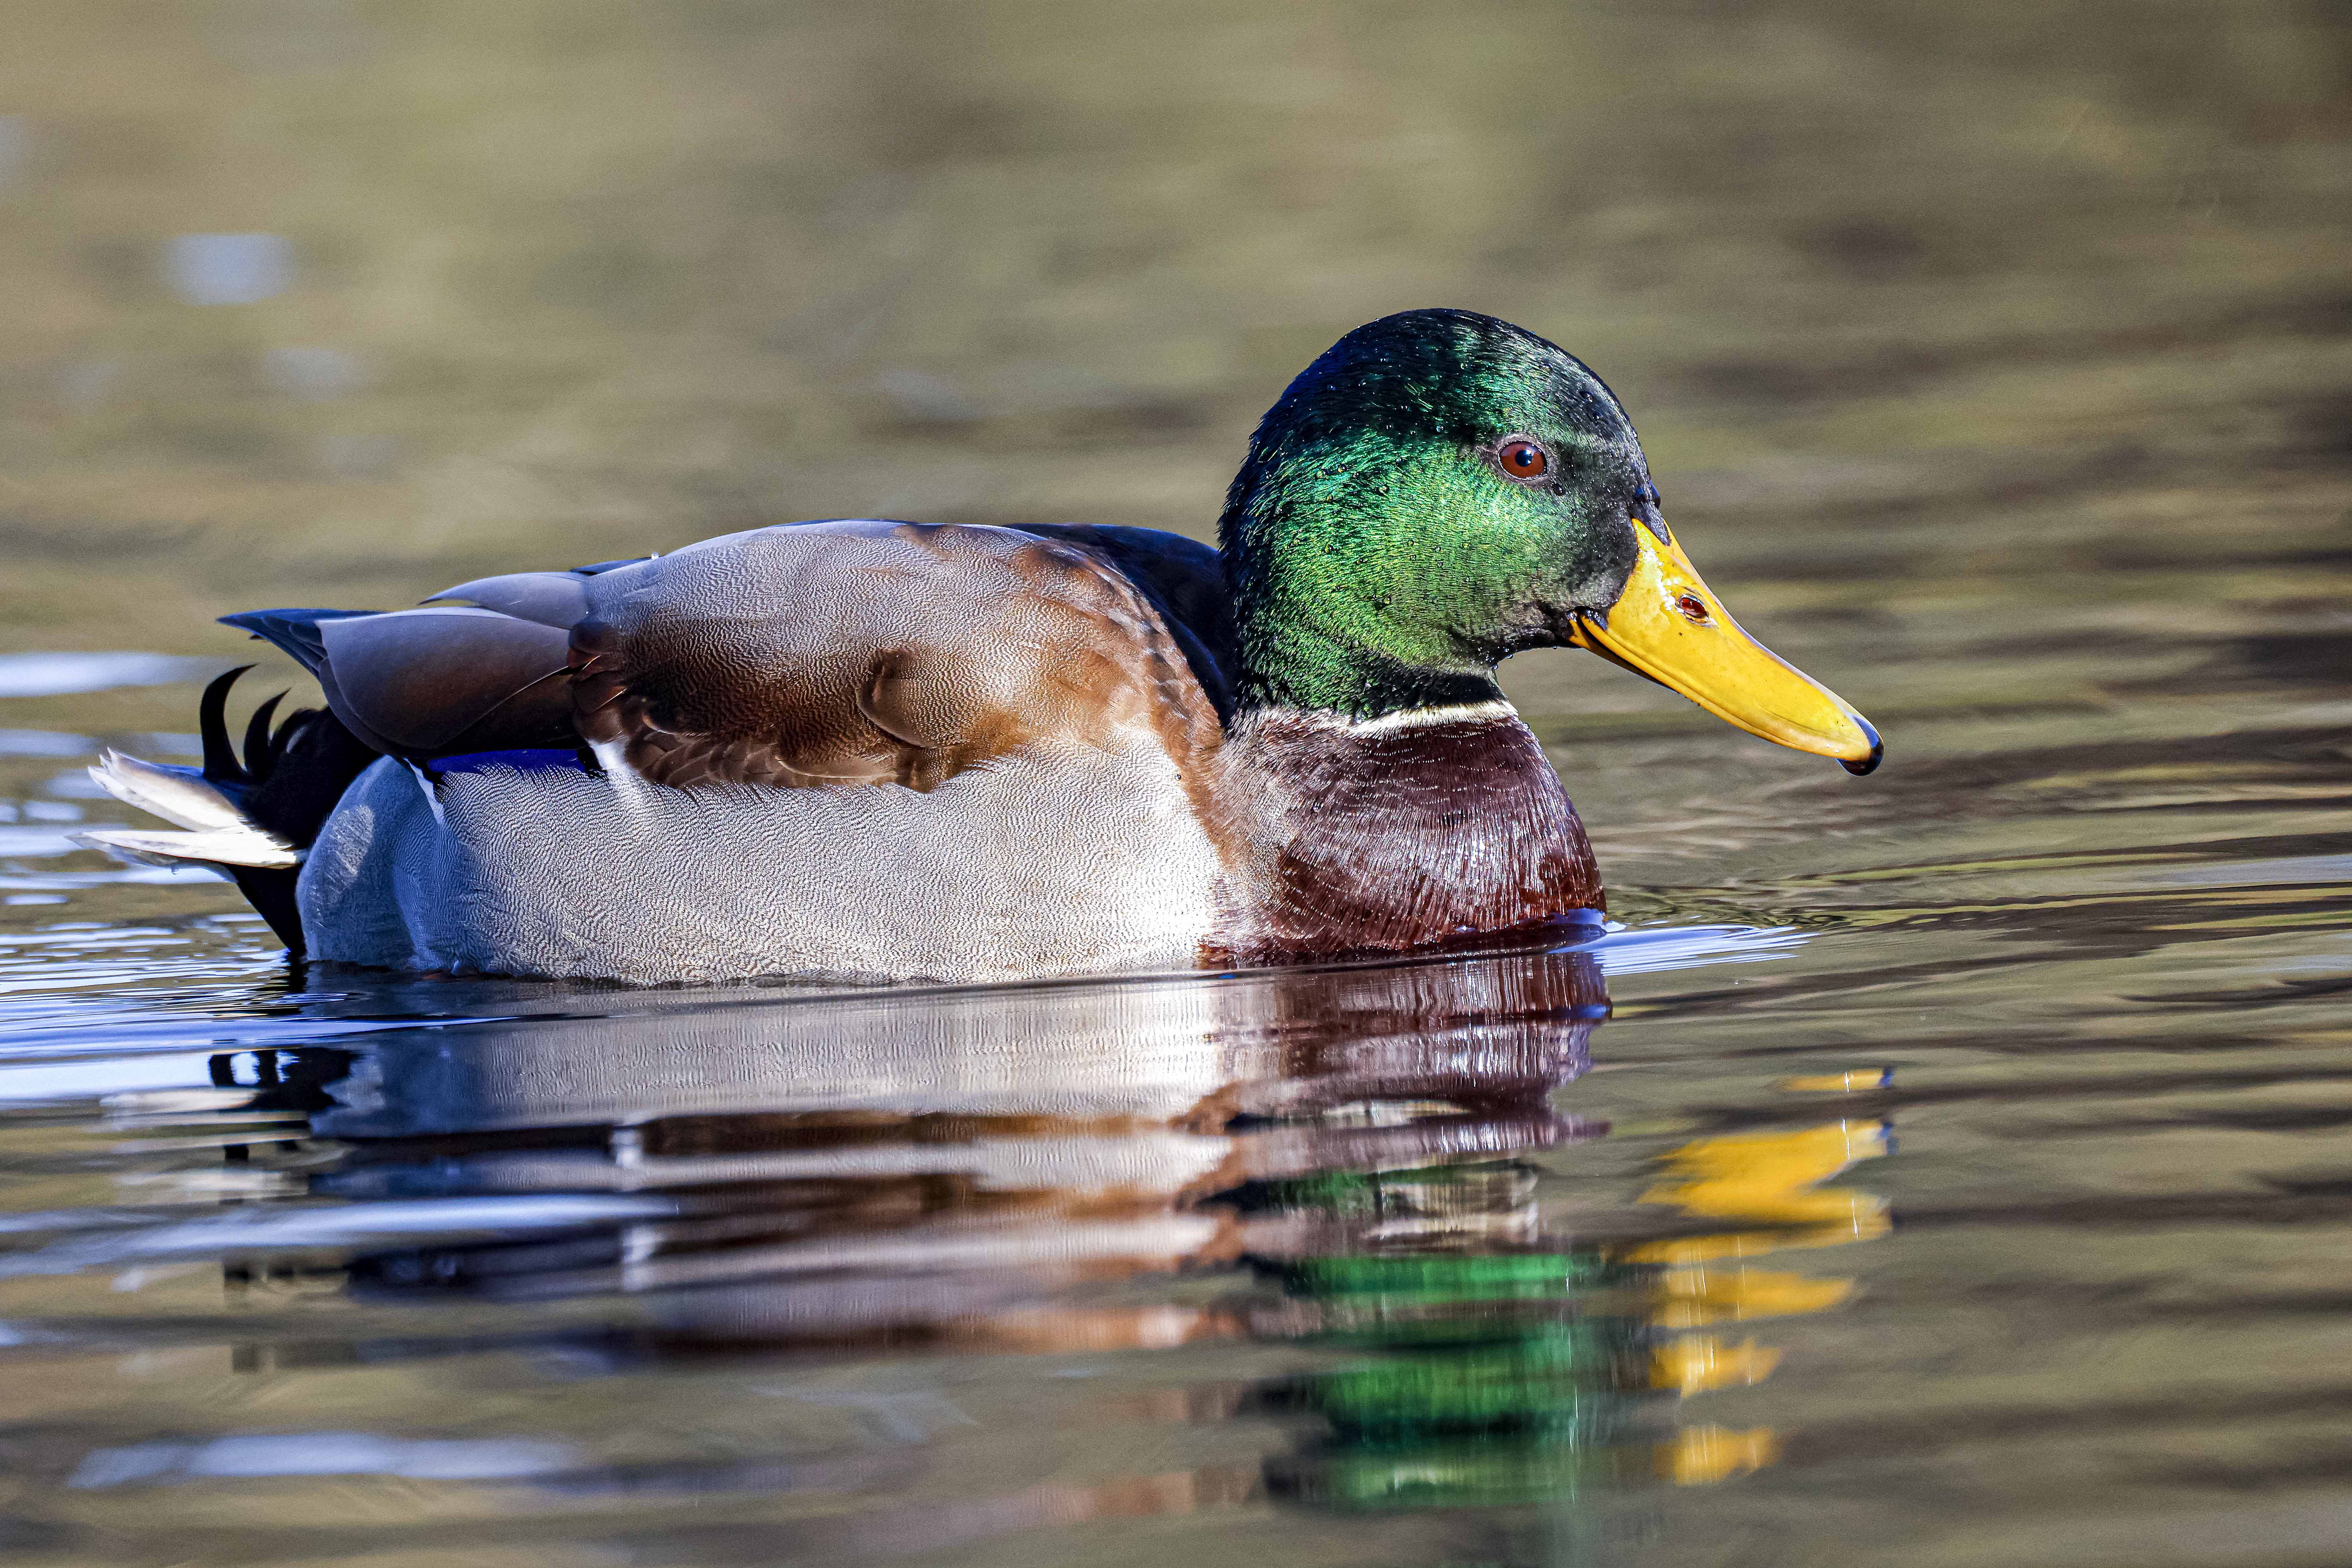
{"x": 179, "y": 795}
{"x": 220, "y": 834}
{"x": 247, "y": 846}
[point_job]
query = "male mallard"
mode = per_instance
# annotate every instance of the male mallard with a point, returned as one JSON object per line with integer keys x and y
{"x": 967, "y": 752}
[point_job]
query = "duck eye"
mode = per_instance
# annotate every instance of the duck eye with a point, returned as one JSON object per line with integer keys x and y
{"x": 1522, "y": 458}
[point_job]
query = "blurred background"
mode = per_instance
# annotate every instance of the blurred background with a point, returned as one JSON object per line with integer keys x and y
{"x": 1995, "y": 361}
{"x": 331, "y": 301}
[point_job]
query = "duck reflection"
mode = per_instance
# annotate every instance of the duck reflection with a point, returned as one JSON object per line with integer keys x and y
{"x": 1345, "y": 1158}
{"x": 1523, "y": 1377}
{"x": 954, "y": 1163}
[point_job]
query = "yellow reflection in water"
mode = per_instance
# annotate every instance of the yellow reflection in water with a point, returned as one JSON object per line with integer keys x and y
{"x": 1701, "y": 1455}
{"x": 1697, "y": 1363}
{"x": 1773, "y": 1179}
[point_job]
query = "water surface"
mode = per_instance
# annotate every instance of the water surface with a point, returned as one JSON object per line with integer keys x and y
{"x": 1944, "y": 1167}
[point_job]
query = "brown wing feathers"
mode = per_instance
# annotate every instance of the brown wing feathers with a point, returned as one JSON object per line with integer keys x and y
{"x": 431, "y": 683}
{"x": 867, "y": 652}
{"x": 815, "y": 653}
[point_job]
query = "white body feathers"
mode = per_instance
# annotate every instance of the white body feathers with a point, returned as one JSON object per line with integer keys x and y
{"x": 1062, "y": 859}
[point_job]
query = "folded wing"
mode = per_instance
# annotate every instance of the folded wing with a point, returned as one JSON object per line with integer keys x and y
{"x": 812, "y": 653}
{"x": 850, "y": 652}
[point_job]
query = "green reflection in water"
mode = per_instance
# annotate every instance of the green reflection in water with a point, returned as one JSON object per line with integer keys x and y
{"x": 1525, "y": 1377}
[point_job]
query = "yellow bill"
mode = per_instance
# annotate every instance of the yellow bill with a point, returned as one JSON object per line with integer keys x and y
{"x": 1668, "y": 626}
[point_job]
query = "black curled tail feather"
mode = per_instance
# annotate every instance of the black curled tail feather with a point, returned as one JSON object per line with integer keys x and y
{"x": 221, "y": 764}
{"x": 286, "y": 780}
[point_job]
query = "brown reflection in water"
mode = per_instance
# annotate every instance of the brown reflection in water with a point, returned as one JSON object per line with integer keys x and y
{"x": 942, "y": 1170}
{"x": 999, "y": 1171}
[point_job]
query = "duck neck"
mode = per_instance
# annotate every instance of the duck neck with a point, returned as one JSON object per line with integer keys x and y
{"x": 1289, "y": 660}
{"x": 1378, "y": 792}
{"x": 1330, "y": 616}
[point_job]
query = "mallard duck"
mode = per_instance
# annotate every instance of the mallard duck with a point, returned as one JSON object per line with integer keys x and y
{"x": 964, "y": 752}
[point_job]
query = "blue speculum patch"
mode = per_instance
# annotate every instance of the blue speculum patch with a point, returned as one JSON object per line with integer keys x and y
{"x": 536, "y": 760}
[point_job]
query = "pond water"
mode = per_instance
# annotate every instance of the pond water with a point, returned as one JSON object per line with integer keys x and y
{"x": 1948, "y": 1167}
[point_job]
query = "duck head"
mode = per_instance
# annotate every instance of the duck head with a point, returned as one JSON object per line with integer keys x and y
{"x": 1440, "y": 490}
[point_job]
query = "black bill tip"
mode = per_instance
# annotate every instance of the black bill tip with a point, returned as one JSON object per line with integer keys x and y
{"x": 1877, "y": 753}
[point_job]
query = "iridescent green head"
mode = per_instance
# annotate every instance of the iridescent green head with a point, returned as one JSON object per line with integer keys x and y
{"x": 1440, "y": 490}
{"x": 1387, "y": 543}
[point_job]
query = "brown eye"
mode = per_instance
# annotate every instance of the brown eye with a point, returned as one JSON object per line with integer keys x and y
{"x": 1522, "y": 458}
{"x": 1693, "y": 607}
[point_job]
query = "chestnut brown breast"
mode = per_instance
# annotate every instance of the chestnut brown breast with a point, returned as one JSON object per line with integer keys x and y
{"x": 1386, "y": 836}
